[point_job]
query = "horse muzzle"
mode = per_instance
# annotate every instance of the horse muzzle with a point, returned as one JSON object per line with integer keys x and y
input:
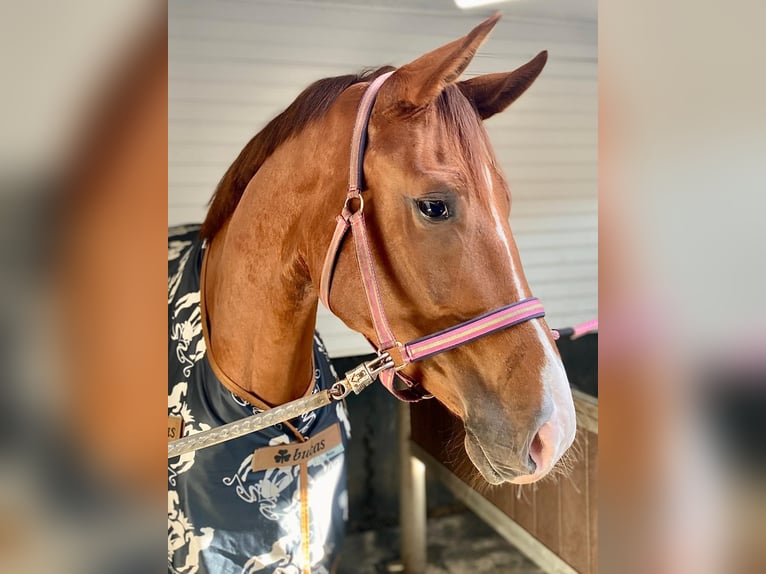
{"x": 524, "y": 454}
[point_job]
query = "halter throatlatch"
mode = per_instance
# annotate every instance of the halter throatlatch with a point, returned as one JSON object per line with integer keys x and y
{"x": 352, "y": 216}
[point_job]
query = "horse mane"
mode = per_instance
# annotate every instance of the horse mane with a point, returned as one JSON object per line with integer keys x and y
{"x": 454, "y": 109}
{"x": 311, "y": 104}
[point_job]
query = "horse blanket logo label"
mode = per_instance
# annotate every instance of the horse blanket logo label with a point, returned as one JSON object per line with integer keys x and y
{"x": 175, "y": 428}
{"x": 297, "y": 453}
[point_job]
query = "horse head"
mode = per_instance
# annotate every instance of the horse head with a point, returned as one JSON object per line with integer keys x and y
{"x": 437, "y": 209}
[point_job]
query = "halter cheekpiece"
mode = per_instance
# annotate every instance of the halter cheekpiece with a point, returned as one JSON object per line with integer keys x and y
{"x": 393, "y": 355}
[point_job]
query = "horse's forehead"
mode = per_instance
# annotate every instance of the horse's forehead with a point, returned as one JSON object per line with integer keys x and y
{"x": 471, "y": 151}
{"x": 428, "y": 136}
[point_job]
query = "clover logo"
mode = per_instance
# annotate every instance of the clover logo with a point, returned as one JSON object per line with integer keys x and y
{"x": 282, "y": 456}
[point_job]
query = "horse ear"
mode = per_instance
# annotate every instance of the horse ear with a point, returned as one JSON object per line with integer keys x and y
{"x": 420, "y": 82}
{"x": 492, "y": 93}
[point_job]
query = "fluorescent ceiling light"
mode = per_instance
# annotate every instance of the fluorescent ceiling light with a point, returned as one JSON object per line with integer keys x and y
{"x": 468, "y": 4}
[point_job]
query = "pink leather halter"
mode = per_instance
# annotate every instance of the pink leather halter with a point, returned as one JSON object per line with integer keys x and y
{"x": 396, "y": 354}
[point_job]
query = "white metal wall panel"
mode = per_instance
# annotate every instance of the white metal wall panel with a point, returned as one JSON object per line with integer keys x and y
{"x": 233, "y": 65}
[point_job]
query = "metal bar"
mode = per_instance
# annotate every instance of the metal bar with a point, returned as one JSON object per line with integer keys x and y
{"x": 412, "y": 503}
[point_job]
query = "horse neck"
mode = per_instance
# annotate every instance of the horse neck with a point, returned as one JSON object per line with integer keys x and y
{"x": 260, "y": 298}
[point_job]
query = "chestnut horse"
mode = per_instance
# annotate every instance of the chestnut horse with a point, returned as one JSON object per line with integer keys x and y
{"x": 437, "y": 210}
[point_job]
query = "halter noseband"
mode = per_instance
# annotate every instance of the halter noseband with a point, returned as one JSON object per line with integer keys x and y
{"x": 388, "y": 346}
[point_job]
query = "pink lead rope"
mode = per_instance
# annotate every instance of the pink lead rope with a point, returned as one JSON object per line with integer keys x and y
{"x": 577, "y": 331}
{"x": 400, "y": 355}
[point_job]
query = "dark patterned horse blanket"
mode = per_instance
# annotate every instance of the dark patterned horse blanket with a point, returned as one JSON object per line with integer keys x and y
{"x": 264, "y": 502}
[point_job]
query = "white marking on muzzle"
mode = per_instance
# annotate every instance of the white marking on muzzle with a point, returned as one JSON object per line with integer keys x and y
{"x": 561, "y": 432}
{"x": 561, "y": 427}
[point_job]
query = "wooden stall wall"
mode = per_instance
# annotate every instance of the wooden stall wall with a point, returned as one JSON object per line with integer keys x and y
{"x": 561, "y": 513}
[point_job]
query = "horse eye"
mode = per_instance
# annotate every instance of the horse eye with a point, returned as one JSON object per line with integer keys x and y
{"x": 433, "y": 209}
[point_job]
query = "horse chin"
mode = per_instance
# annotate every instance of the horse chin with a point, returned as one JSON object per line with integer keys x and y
{"x": 489, "y": 471}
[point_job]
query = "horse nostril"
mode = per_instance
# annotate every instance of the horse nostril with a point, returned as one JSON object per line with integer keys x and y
{"x": 532, "y": 465}
{"x": 536, "y": 450}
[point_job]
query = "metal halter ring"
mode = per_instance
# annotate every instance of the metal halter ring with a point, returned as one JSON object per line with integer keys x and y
{"x": 339, "y": 390}
{"x": 351, "y": 198}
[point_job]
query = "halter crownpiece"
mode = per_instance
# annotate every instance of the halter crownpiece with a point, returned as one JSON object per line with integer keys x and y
{"x": 388, "y": 347}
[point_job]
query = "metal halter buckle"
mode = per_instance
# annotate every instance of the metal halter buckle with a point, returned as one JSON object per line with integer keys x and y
{"x": 361, "y": 377}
